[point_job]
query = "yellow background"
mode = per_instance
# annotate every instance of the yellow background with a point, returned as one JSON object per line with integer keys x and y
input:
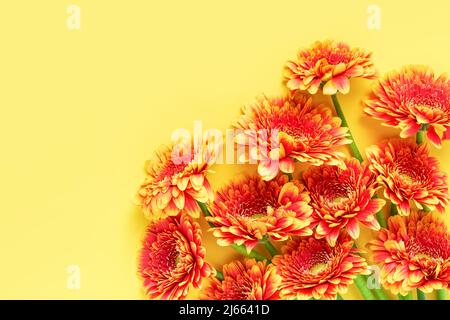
{"x": 82, "y": 110}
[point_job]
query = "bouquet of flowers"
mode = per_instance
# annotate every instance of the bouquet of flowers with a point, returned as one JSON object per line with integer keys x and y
{"x": 315, "y": 215}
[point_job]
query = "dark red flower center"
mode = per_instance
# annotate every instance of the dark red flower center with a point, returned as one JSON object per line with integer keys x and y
{"x": 429, "y": 246}
{"x": 303, "y": 131}
{"x": 333, "y": 55}
{"x": 425, "y": 95}
{"x": 237, "y": 289}
{"x": 313, "y": 261}
{"x": 332, "y": 193}
{"x": 255, "y": 207}
{"x": 170, "y": 169}
{"x": 166, "y": 254}
{"x": 410, "y": 170}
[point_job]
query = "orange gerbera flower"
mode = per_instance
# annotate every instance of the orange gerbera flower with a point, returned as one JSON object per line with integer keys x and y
{"x": 249, "y": 281}
{"x": 277, "y": 131}
{"x": 409, "y": 174}
{"x": 310, "y": 267}
{"x": 173, "y": 258}
{"x": 415, "y": 253}
{"x": 341, "y": 198}
{"x": 330, "y": 64}
{"x": 176, "y": 179}
{"x": 411, "y": 98}
{"x": 249, "y": 208}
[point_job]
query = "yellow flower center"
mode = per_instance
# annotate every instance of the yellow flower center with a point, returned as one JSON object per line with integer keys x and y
{"x": 406, "y": 178}
{"x": 258, "y": 216}
{"x": 318, "y": 268}
{"x": 338, "y": 200}
{"x": 423, "y": 256}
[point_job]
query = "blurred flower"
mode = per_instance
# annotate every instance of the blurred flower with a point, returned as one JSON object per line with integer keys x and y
{"x": 341, "y": 198}
{"x": 411, "y": 97}
{"x": 415, "y": 253}
{"x": 409, "y": 175}
{"x": 249, "y": 208}
{"x": 310, "y": 268}
{"x": 176, "y": 179}
{"x": 173, "y": 258}
{"x": 249, "y": 281}
{"x": 277, "y": 131}
{"x": 330, "y": 64}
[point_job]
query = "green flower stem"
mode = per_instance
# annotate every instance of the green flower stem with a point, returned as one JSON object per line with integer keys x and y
{"x": 381, "y": 219}
{"x": 339, "y": 297}
{"x": 419, "y": 137}
{"x": 252, "y": 254}
{"x": 269, "y": 247}
{"x": 219, "y": 275}
{"x": 361, "y": 284}
{"x": 340, "y": 113}
{"x": 421, "y": 295}
{"x": 380, "y": 294}
{"x": 241, "y": 249}
{"x": 421, "y": 133}
{"x": 442, "y": 294}
{"x": 407, "y": 297}
{"x": 205, "y": 211}
{"x": 290, "y": 176}
{"x": 394, "y": 210}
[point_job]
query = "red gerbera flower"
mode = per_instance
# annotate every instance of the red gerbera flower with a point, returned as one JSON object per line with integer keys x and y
{"x": 277, "y": 131}
{"x": 341, "y": 198}
{"x": 249, "y": 208}
{"x": 311, "y": 268}
{"x": 410, "y": 98}
{"x": 415, "y": 253}
{"x": 176, "y": 180}
{"x": 173, "y": 258}
{"x": 249, "y": 281}
{"x": 409, "y": 175}
{"x": 330, "y": 64}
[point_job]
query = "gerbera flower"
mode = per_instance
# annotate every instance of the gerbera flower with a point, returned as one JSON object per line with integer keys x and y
{"x": 341, "y": 198}
{"x": 173, "y": 258}
{"x": 249, "y": 208}
{"x": 311, "y": 268}
{"x": 409, "y": 174}
{"x": 277, "y": 131}
{"x": 250, "y": 280}
{"x": 411, "y": 98}
{"x": 176, "y": 179}
{"x": 415, "y": 253}
{"x": 330, "y": 64}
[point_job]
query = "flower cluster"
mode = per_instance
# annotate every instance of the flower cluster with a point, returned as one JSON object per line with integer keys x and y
{"x": 313, "y": 216}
